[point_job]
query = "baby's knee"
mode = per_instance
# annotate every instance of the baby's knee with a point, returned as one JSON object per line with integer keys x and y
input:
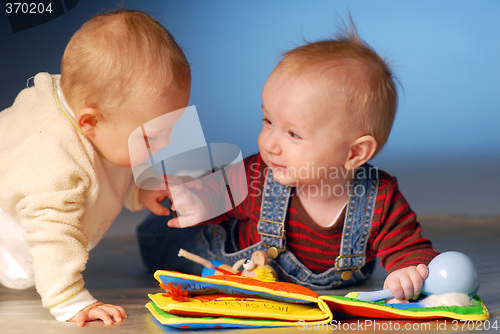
{"x": 16, "y": 274}
{"x": 18, "y": 283}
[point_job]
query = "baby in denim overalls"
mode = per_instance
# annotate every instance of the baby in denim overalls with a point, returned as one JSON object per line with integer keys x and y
{"x": 322, "y": 213}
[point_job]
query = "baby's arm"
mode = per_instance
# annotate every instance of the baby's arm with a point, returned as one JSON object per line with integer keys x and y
{"x": 399, "y": 244}
{"x": 59, "y": 246}
{"x": 406, "y": 283}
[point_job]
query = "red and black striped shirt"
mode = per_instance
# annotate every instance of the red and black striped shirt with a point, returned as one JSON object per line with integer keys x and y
{"x": 395, "y": 236}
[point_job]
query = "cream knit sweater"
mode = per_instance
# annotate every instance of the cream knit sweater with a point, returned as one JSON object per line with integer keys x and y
{"x": 57, "y": 199}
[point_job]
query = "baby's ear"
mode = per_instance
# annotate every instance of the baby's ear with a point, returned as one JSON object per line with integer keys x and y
{"x": 87, "y": 120}
{"x": 362, "y": 149}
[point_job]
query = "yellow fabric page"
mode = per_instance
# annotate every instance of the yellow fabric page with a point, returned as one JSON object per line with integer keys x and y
{"x": 240, "y": 307}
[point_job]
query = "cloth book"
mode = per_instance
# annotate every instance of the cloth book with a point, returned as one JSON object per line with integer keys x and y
{"x": 231, "y": 301}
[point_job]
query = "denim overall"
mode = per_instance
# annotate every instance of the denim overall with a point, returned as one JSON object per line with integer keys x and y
{"x": 350, "y": 266}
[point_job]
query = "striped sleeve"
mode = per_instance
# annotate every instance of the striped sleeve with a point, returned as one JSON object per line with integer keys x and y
{"x": 248, "y": 177}
{"x": 396, "y": 236}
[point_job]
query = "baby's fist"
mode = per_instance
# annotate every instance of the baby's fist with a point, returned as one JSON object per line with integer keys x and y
{"x": 406, "y": 283}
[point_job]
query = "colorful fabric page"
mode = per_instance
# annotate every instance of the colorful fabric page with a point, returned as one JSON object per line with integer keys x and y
{"x": 237, "y": 285}
{"x": 345, "y": 305}
{"x": 171, "y": 320}
{"x": 223, "y": 305}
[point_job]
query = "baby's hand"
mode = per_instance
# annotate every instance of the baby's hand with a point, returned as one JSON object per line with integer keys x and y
{"x": 191, "y": 208}
{"x": 106, "y": 312}
{"x": 406, "y": 283}
{"x": 152, "y": 199}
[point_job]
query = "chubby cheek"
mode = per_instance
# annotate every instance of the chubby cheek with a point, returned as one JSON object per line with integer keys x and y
{"x": 119, "y": 153}
{"x": 137, "y": 157}
{"x": 261, "y": 140}
{"x": 121, "y": 158}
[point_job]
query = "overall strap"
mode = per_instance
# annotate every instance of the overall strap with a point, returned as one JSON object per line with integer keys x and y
{"x": 358, "y": 221}
{"x": 271, "y": 226}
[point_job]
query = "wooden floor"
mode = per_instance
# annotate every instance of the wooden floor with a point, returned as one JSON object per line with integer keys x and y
{"x": 115, "y": 275}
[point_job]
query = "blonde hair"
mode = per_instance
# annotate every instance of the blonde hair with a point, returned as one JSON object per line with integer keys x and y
{"x": 116, "y": 54}
{"x": 369, "y": 82}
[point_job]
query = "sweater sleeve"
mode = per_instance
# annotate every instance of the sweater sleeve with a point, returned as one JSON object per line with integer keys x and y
{"x": 399, "y": 242}
{"x": 57, "y": 241}
{"x": 131, "y": 201}
{"x": 69, "y": 308}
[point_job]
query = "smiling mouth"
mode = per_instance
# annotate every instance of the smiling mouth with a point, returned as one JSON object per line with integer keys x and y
{"x": 277, "y": 166}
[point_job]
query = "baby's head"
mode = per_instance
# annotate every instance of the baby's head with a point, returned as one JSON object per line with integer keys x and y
{"x": 119, "y": 71}
{"x": 336, "y": 100}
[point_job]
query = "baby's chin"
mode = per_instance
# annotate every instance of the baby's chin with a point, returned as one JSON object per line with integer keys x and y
{"x": 120, "y": 161}
{"x": 280, "y": 175}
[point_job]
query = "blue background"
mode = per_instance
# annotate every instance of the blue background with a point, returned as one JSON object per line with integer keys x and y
{"x": 445, "y": 53}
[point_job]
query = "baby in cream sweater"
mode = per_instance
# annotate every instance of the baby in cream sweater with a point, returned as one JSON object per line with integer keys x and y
{"x": 65, "y": 168}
